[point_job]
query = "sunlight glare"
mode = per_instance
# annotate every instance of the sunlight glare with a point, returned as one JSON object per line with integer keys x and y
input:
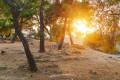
{"x": 80, "y": 0}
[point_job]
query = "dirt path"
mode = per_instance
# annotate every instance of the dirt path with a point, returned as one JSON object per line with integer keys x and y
{"x": 68, "y": 64}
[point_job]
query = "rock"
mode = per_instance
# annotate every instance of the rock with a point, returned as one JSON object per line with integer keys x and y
{"x": 118, "y": 79}
{"x": 118, "y": 56}
{"x": 21, "y": 52}
{"x": 38, "y": 57}
{"x": 53, "y": 46}
{"x": 61, "y": 75}
{"x": 32, "y": 43}
{"x": 37, "y": 60}
{"x": 52, "y": 65}
{"x": 25, "y": 65}
{"x": 31, "y": 75}
{"x": 70, "y": 58}
{"x": 76, "y": 52}
{"x": 3, "y": 68}
{"x": 44, "y": 60}
{"x": 116, "y": 73}
{"x": 45, "y": 72}
{"x": 66, "y": 52}
{"x": 53, "y": 60}
{"x": 65, "y": 45}
{"x": 110, "y": 56}
{"x": 92, "y": 72}
{"x": 58, "y": 71}
{"x": 78, "y": 46}
{"x": 2, "y": 52}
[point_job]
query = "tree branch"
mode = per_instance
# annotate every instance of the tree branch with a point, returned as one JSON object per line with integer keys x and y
{"x": 10, "y": 3}
{"x": 47, "y": 30}
{"x": 115, "y": 14}
{"x": 17, "y": 3}
{"x": 24, "y": 6}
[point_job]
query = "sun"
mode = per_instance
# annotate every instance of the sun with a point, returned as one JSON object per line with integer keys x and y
{"x": 81, "y": 25}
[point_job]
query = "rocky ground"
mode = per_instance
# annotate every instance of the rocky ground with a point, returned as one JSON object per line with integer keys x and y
{"x": 71, "y": 63}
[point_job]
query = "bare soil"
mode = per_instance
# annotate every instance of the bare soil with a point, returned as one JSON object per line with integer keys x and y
{"x": 71, "y": 63}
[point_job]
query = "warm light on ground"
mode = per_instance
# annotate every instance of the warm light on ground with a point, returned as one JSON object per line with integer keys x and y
{"x": 81, "y": 25}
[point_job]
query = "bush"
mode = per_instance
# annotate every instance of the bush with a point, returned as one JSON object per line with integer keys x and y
{"x": 97, "y": 42}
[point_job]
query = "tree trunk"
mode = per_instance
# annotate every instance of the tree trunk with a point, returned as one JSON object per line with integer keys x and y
{"x": 63, "y": 35}
{"x": 51, "y": 34}
{"x": 29, "y": 55}
{"x": 42, "y": 42}
{"x": 69, "y": 33}
{"x": 14, "y": 37}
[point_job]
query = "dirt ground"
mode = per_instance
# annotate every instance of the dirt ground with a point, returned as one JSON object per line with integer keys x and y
{"x": 70, "y": 63}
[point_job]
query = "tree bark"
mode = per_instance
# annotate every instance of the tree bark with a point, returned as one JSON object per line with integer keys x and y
{"x": 29, "y": 55}
{"x": 42, "y": 42}
{"x": 14, "y": 37}
{"x": 63, "y": 35}
{"x": 69, "y": 33}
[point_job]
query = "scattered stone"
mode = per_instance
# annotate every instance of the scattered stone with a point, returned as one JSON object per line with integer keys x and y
{"x": 66, "y": 52}
{"x": 31, "y": 75}
{"x": 53, "y": 54}
{"x": 2, "y": 52}
{"x": 92, "y": 72}
{"x": 45, "y": 72}
{"x": 32, "y": 43}
{"x": 42, "y": 60}
{"x": 37, "y": 60}
{"x": 53, "y": 46}
{"x": 46, "y": 60}
{"x": 58, "y": 72}
{"x": 52, "y": 65}
{"x": 65, "y": 45}
{"x": 116, "y": 73}
{"x": 76, "y": 52}
{"x": 21, "y": 52}
{"x": 23, "y": 66}
{"x": 3, "y": 68}
{"x": 61, "y": 75}
{"x": 118, "y": 56}
{"x": 78, "y": 46}
{"x": 70, "y": 58}
{"x": 38, "y": 57}
{"x": 53, "y": 60}
{"x": 110, "y": 56}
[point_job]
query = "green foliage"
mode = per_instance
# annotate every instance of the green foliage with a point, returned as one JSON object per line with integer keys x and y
{"x": 6, "y": 25}
{"x": 27, "y": 13}
{"x": 100, "y": 42}
{"x": 56, "y": 32}
{"x": 33, "y": 5}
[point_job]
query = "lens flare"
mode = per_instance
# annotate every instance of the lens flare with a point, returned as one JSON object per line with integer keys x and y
{"x": 81, "y": 25}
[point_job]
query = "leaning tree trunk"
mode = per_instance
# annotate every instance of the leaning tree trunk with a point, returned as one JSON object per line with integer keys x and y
{"x": 29, "y": 55}
{"x": 42, "y": 42}
{"x": 69, "y": 33}
{"x": 15, "y": 36}
{"x": 63, "y": 35}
